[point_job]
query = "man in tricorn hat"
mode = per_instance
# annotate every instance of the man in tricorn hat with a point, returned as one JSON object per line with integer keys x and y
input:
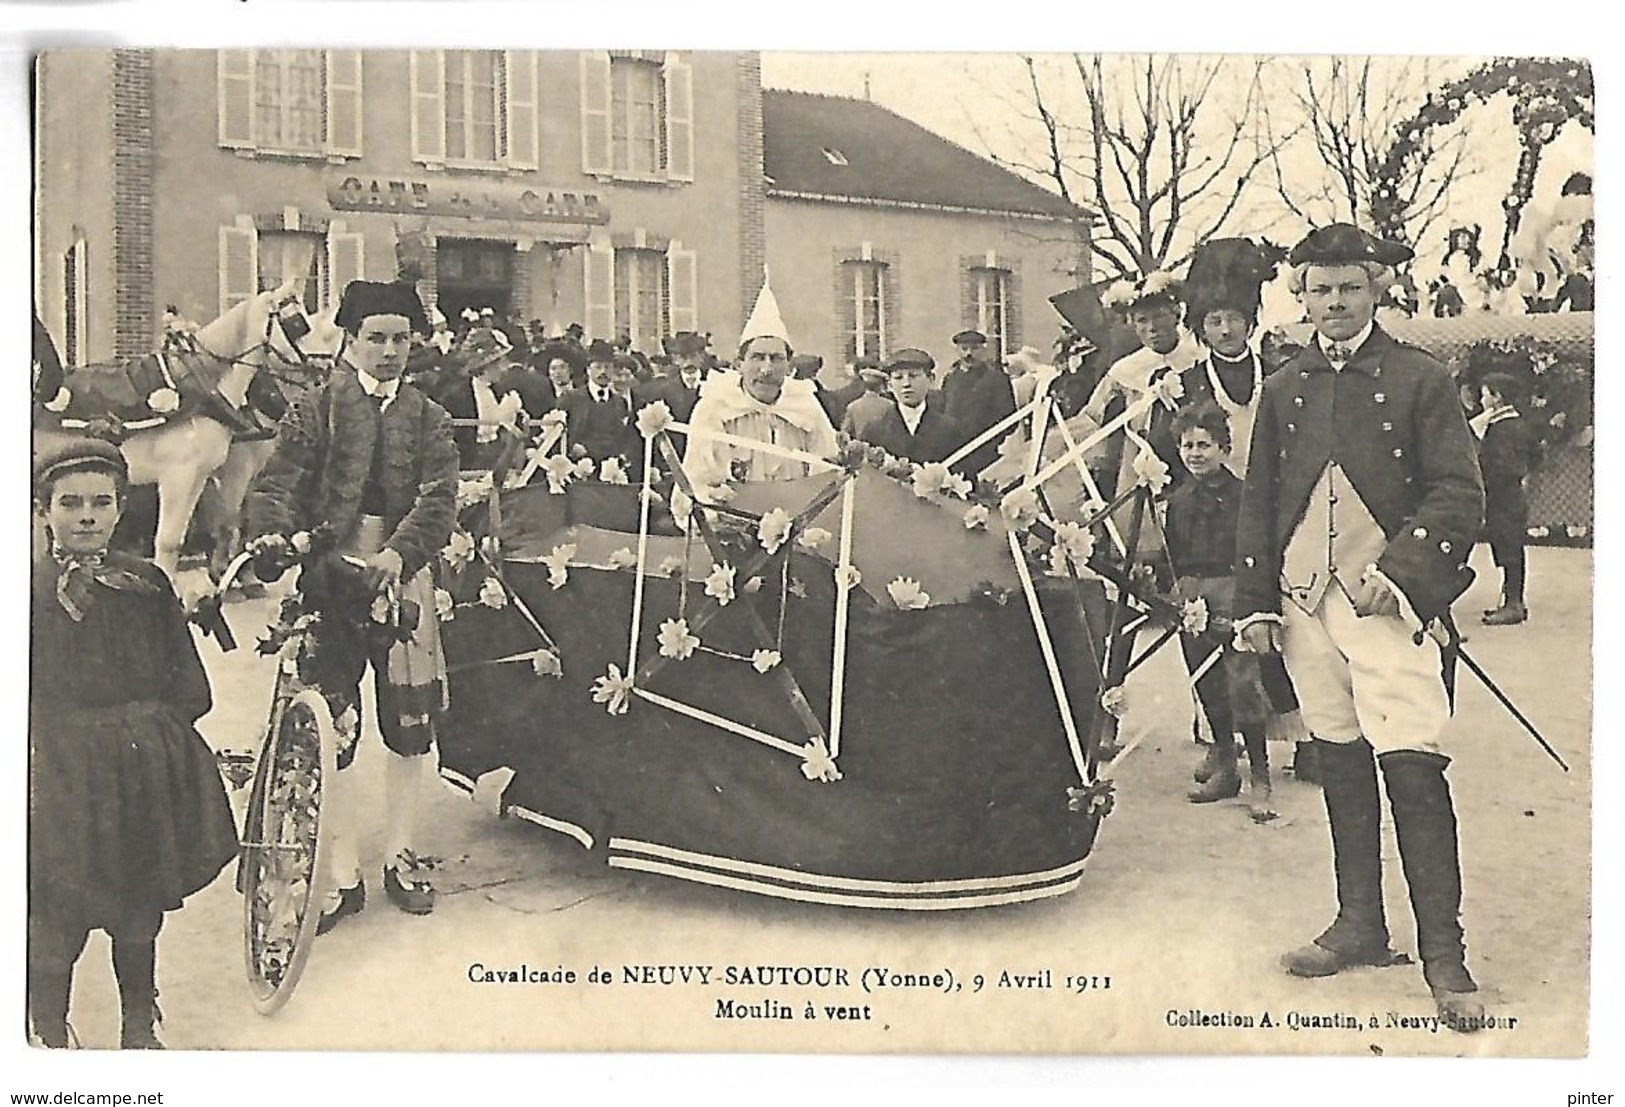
{"x": 373, "y": 457}
{"x": 1362, "y": 501}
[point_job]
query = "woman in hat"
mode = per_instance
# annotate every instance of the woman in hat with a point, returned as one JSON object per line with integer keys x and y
{"x": 128, "y": 814}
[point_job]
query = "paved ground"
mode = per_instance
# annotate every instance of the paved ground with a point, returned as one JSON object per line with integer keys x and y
{"x": 1183, "y": 908}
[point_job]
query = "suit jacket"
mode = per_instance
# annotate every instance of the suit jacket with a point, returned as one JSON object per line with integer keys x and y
{"x": 1392, "y": 422}
{"x": 863, "y": 411}
{"x": 1506, "y": 455}
{"x": 936, "y": 437}
{"x": 603, "y": 430}
{"x": 323, "y": 456}
{"x": 677, "y": 396}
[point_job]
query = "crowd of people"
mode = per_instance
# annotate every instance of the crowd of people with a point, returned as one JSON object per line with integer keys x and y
{"x": 1321, "y": 507}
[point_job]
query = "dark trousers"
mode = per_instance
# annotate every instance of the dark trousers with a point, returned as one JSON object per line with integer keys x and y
{"x": 1510, "y": 559}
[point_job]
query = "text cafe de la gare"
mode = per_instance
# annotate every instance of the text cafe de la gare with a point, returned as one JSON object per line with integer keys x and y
{"x": 498, "y": 200}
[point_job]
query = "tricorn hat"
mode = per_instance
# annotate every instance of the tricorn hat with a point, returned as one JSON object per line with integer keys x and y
{"x": 1227, "y": 273}
{"x": 1346, "y": 244}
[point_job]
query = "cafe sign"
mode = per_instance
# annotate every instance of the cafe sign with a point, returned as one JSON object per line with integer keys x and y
{"x": 465, "y": 199}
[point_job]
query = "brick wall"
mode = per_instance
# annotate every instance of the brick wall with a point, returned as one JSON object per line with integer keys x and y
{"x": 752, "y": 188}
{"x": 135, "y": 322}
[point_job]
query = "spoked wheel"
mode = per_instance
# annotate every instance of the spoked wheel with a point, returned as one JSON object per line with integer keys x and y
{"x": 284, "y": 846}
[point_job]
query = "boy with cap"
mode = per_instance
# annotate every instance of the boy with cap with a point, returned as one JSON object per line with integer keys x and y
{"x": 1506, "y": 454}
{"x": 370, "y": 455}
{"x": 916, "y": 426}
{"x": 1361, "y": 503}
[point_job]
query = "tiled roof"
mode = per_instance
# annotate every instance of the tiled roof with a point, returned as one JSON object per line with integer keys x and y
{"x": 834, "y": 146}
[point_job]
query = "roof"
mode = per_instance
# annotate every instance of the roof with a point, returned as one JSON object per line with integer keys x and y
{"x": 839, "y": 148}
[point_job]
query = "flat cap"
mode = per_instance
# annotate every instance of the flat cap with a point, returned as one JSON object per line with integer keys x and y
{"x": 909, "y": 358}
{"x": 970, "y": 338}
{"x": 79, "y": 453}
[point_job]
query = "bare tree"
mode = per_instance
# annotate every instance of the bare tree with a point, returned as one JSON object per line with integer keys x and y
{"x": 1160, "y": 149}
{"x": 1353, "y": 113}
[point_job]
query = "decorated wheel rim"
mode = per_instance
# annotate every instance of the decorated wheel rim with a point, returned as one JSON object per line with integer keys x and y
{"x": 285, "y": 848}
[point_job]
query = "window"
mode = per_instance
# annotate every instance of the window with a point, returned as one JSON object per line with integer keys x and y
{"x": 304, "y": 103}
{"x": 990, "y": 291}
{"x": 284, "y": 255}
{"x": 640, "y": 297}
{"x": 474, "y": 108}
{"x": 866, "y": 300}
{"x": 637, "y": 116}
{"x": 75, "y": 302}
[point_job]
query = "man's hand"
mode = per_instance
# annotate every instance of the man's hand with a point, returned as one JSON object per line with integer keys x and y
{"x": 1375, "y": 597}
{"x": 383, "y": 569}
{"x": 1262, "y": 637}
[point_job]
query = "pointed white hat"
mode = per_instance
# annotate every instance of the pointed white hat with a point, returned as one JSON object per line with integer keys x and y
{"x": 765, "y": 320}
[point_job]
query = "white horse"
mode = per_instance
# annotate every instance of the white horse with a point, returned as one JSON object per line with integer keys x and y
{"x": 180, "y": 455}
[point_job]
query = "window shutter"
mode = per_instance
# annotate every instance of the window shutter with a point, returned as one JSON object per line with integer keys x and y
{"x": 595, "y": 108}
{"x": 344, "y": 102}
{"x": 428, "y": 106}
{"x": 239, "y": 265}
{"x": 969, "y": 310}
{"x": 234, "y": 93}
{"x": 1012, "y": 310}
{"x": 891, "y": 309}
{"x": 679, "y": 77}
{"x": 346, "y": 262}
{"x": 521, "y": 78}
{"x": 682, "y": 285}
{"x": 599, "y": 267}
{"x": 845, "y": 314}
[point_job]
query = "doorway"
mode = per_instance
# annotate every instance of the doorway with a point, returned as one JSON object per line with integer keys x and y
{"x": 473, "y": 273}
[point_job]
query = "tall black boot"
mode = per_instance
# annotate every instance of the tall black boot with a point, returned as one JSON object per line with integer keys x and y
{"x": 135, "y": 963}
{"x": 1425, "y": 823}
{"x": 1359, "y": 935}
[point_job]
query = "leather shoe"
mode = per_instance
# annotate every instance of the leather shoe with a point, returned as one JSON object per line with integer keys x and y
{"x": 351, "y": 901}
{"x": 1315, "y": 959}
{"x": 1460, "y": 1011}
{"x": 415, "y": 897}
{"x": 1509, "y": 615}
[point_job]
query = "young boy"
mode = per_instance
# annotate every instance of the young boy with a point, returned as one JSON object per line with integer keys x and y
{"x": 1202, "y": 517}
{"x": 917, "y": 426}
{"x": 1505, "y": 456}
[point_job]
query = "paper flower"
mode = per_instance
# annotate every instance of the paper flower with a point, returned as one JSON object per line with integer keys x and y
{"x": 976, "y": 517}
{"x": 1019, "y": 508}
{"x": 654, "y": 418}
{"x": 817, "y": 764}
{"x": 1169, "y": 388}
{"x": 445, "y": 608}
{"x": 164, "y": 400}
{"x": 59, "y": 403}
{"x": 492, "y": 594}
{"x": 382, "y": 609}
{"x": 1114, "y": 701}
{"x": 546, "y": 664}
{"x": 558, "y": 564}
{"x": 1151, "y": 471}
{"x": 1193, "y": 617}
{"x": 584, "y": 468}
{"x": 474, "y": 491}
{"x": 849, "y": 577}
{"x": 459, "y": 552}
{"x": 720, "y": 584}
{"x": 670, "y": 567}
{"x": 798, "y": 588}
{"x": 957, "y": 486}
{"x": 559, "y": 471}
{"x": 622, "y": 558}
{"x": 558, "y": 417}
{"x": 906, "y": 593}
{"x": 764, "y": 660}
{"x": 682, "y": 508}
{"x": 774, "y": 529}
{"x": 812, "y": 538}
{"x": 1096, "y": 800}
{"x": 612, "y": 690}
{"x": 675, "y": 640}
{"x": 612, "y": 471}
{"x": 1076, "y": 541}
{"x": 854, "y": 452}
{"x": 930, "y": 479}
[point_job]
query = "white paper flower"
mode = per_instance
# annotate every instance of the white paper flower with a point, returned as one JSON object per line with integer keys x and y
{"x": 1077, "y": 540}
{"x": 682, "y": 508}
{"x": 957, "y": 486}
{"x": 906, "y": 593}
{"x": 670, "y": 567}
{"x": 720, "y": 584}
{"x": 585, "y": 467}
{"x": 817, "y": 764}
{"x": 492, "y": 594}
{"x": 930, "y": 479}
{"x": 1114, "y": 701}
{"x": 764, "y": 660}
{"x": 560, "y": 472}
{"x": 459, "y": 552}
{"x": 613, "y": 472}
{"x": 164, "y": 400}
{"x": 473, "y": 491}
{"x": 558, "y": 564}
{"x": 675, "y": 640}
{"x": 812, "y": 538}
{"x": 774, "y": 529}
{"x": 1193, "y": 616}
{"x": 1169, "y": 388}
{"x": 1151, "y": 471}
{"x": 976, "y": 517}
{"x": 59, "y": 403}
{"x": 382, "y": 609}
{"x": 850, "y": 577}
{"x": 612, "y": 690}
{"x": 1019, "y": 508}
{"x": 654, "y": 418}
{"x": 558, "y": 417}
{"x": 445, "y": 608}
{"x": 622, "y": 558}
{"x": 546, "y": 664}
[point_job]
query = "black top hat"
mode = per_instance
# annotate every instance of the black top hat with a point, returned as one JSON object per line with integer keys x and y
{"x": 1346, "y": 244}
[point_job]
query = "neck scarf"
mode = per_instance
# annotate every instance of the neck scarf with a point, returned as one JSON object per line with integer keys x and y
{"x": 78, "y": 572}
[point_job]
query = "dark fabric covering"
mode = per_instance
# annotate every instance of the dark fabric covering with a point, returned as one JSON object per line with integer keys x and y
{"x": 936, "y": 437}
{"x": 129, "y": 815}
{"x": 1506, "y": 455}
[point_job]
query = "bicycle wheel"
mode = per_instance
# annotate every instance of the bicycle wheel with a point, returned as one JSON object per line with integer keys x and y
{"x": 285, "y": 847}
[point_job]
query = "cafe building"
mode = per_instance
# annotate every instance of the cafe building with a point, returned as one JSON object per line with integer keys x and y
{"x": 621, "y": 190}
